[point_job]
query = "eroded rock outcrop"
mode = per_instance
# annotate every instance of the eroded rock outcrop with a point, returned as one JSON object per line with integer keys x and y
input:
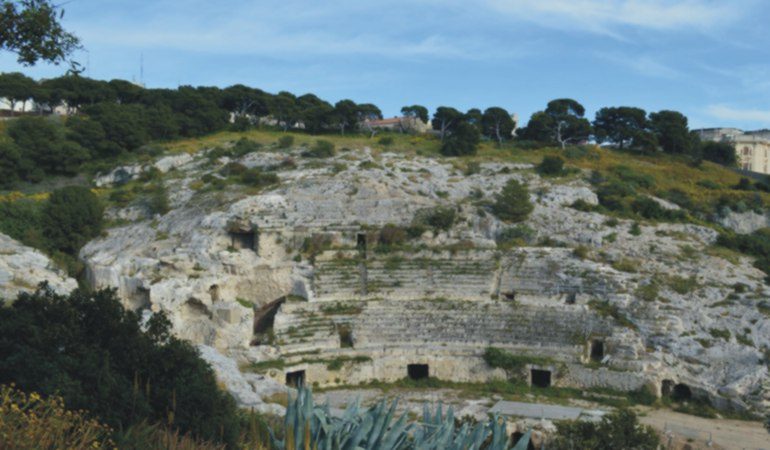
{"x": 293, "y": 282}
{"x": 23, "y": 268}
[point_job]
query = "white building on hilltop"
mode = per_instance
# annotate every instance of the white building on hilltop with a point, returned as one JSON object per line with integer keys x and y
{"x": 751, "y": 147}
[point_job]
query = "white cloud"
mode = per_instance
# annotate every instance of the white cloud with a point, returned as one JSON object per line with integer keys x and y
{"x": 724, "y": 112}
{"x": 605, "y": 16}
{"x": 642, "y": 64}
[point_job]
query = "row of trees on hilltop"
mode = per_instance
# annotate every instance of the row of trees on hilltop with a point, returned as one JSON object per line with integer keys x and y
{"x": 563, "y": 122}
{"x": 186, "y": 111}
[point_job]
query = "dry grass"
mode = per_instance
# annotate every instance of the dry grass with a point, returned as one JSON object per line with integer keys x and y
{"x": 32, "y": 422}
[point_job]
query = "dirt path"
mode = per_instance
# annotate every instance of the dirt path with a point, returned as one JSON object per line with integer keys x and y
{"x": 726, "y": 434}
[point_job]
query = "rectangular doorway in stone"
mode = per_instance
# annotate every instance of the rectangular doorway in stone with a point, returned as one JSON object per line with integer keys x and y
{"x": 361, "y": 244}
{"x": 418, "y": 371}
{"x": 295, "y": 379}
{"x": 540, "y": 378}
{"x": 597, "y": 350}
{"x": 243, "y": 240}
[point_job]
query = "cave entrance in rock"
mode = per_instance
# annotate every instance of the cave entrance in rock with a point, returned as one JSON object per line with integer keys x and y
{"x": 346, "y": 335}
{"x": 667, "y": 388}
{"x": 516, "y": 437}
{"x": 241, "y": 239}
{"x": 361, "y": 244}
{"x": 264, "y": 319}
{"x": 597, "y": 350}
{"x": 540, "y": 378}
{"x": 214, "y": 293}
{"x": 681, "y": 392}
{"x": 510, "y": 296}
{"x": 418, "y": 372}
{"x": 295, "y": 379}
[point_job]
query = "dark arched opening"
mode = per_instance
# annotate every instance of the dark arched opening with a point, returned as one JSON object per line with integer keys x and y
{"x": 418, "y": 371}
{"x": 597, "y": 350}
{"x": 540, "y": 378}
{"x": 264, "y": 319}
{"x": 681, "y": 392}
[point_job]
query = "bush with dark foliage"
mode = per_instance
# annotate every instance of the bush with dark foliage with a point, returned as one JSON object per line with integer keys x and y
{"x": 88, "y": 349}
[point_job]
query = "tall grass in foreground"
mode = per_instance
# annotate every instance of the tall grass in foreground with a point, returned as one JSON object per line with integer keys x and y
{"x": 32, "y": 422}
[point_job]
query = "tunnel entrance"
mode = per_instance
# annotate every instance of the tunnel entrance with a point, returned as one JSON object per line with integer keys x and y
{"x": 509, "y": 296}
{"x": 597, "y": 350}
{"x": 295, "y": 379}
{"x": 571, "y": 298}
{"x": 346, "y": 336}
{"x": 681, "y": 392}
{"x": 418, "y": 371}
{"x": 264, "y": 319}
{"x": 361, "y": 244}
{"x": 540, "y": 378}
{"x": 667, "y": 388}
{"x": 243, "y": 240}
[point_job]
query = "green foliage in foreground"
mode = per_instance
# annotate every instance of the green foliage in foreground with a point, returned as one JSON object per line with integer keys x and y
{"x": 620, "y": 429}
{"x": 307, "y": 425}
{"x": 88, "y": 349}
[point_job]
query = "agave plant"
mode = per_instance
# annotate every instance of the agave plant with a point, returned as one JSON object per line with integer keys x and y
{"x": 312, "y": 427}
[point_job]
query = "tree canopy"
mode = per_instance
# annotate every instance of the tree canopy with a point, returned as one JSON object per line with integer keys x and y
{"x": 562, "y": 123}
{"x": 88, "y": 349}
{"x": 416, "y": 112}
{"x": 621, "y": 126}
{"x": 32, "y": 29}
{"x": 497, "y": 124}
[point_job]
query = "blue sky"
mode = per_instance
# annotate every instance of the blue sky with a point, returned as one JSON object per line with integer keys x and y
{"x": 709, "y": 59}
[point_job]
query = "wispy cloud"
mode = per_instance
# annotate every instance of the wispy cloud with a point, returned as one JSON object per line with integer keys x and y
{"x": 605, "y": 16}
{"x": 641, "y": 64}
{"x": 724, "y": 112}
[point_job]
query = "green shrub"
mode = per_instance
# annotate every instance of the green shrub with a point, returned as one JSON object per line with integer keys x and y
{"x": 245, "y": 146}
{"x": 232, "y": 169}
{"x": 551, "y": 166}
{"x": 515, "y": 236}
{"x": 635, "y": 180}
{"x": 71, "y": 217}
{"x": 582, "y": 205}
{"x": 256, "y": 178}
{"x": 438, "y": 218}
{"x": 648, "y": 292}
{"x": 618, "y": 429}
{"x": 392, "y": 236}
{"x": 720, "y": 334}
{"x": 510, "y": 363}
{"x": 512, "y": 204}
{"x": 635, "y": 229}
{"x": 709, "y": 184}
{"x": 285, "y": 141}
{"x": 386, "y": 141}
{"x": 626, "y": 265}
{"x": 581, "y": 252}
{"x": 158, "y": 201}
{"x": 463, "y": 141}
{"x": 88, "y": 349}
{"x": 321, "y": 149}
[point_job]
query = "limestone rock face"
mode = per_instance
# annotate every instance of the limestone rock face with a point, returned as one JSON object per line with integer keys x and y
{"x": 298, "y": 269}
{"x": 744, "y": 223}
{"x": 23, "y": 268}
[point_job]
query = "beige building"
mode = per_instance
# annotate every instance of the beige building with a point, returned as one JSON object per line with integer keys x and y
{"x": 751, "y": 147}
